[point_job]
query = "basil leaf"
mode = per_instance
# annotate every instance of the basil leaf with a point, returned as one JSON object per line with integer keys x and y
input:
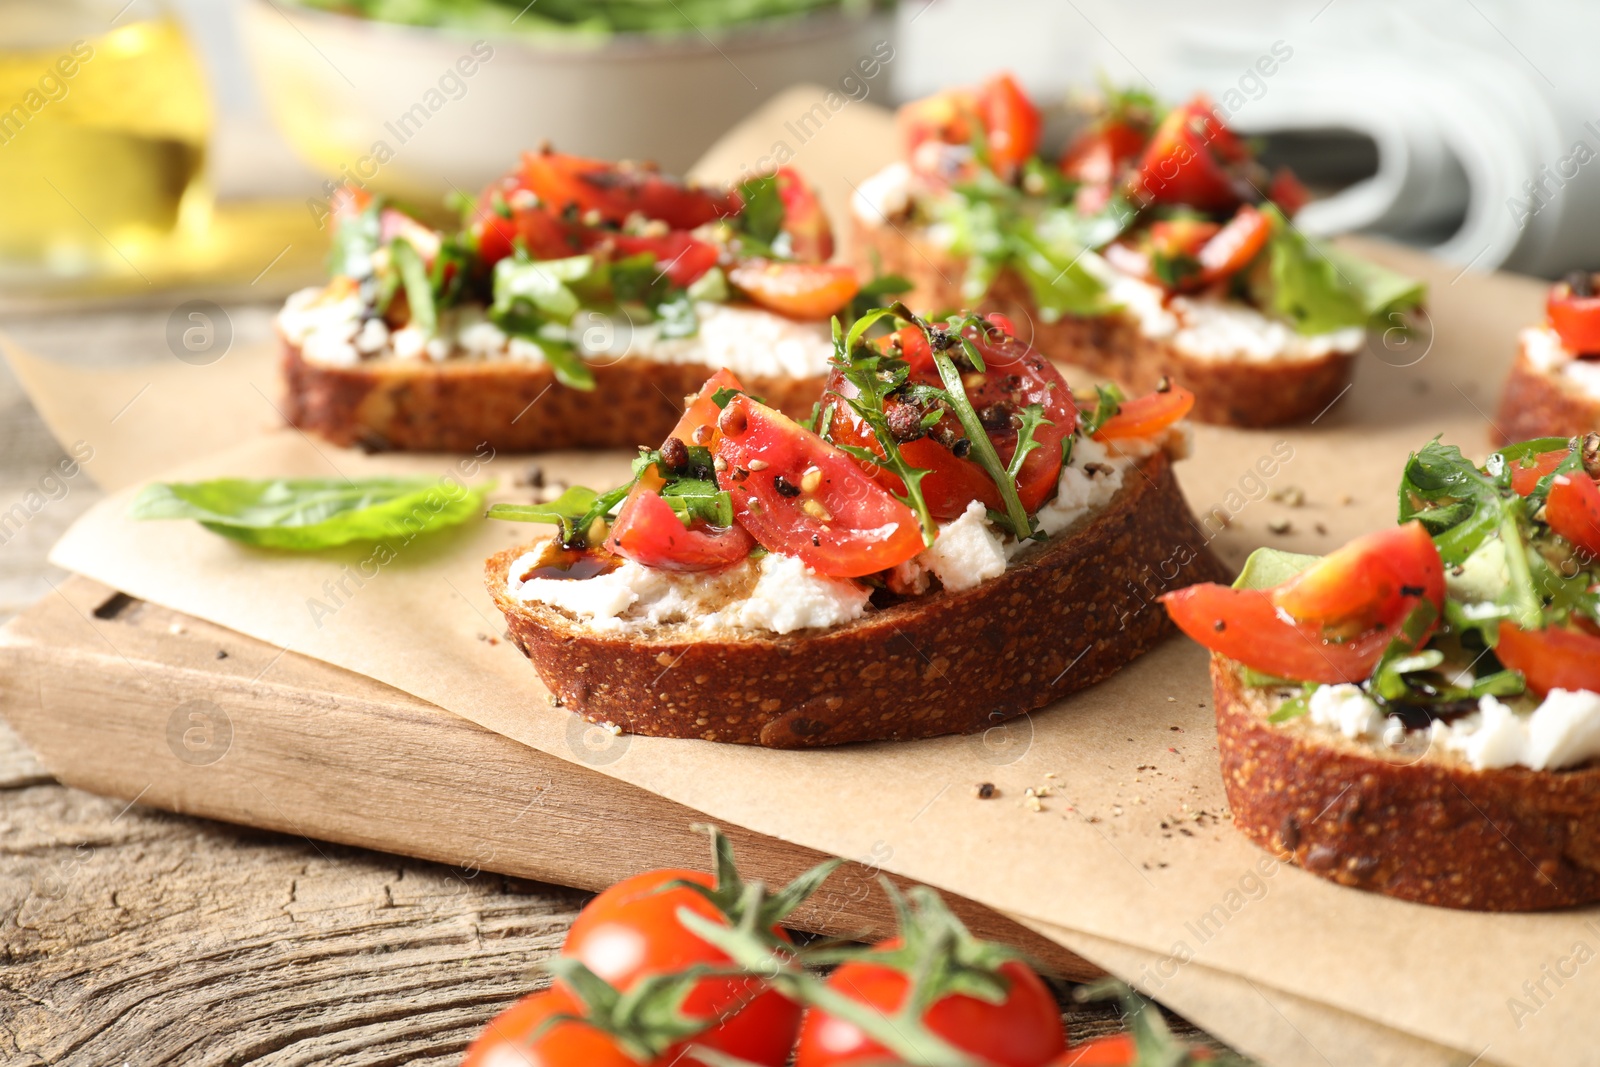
{"x": 312, "y": 513}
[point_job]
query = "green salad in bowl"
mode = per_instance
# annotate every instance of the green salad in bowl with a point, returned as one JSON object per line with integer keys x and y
{"x": 601, "y": 17}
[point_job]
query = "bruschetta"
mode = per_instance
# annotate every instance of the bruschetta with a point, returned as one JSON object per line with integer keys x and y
{"x": 949, "y": 541}
{"x": 1156, "y": 247}
{"x": 1418, "y": 713}
{"x": 573, "y": 307}
{"x": 1554, "y": 386}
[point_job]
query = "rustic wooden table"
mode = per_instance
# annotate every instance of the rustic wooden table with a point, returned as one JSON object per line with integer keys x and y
{"x": 130, "y": 935}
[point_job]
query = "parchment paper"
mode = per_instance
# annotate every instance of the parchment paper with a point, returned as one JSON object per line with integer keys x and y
{"x": 1132, "y": 847}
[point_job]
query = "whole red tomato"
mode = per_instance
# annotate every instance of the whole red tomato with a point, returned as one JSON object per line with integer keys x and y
{"x": 509, "y": 1039}
{"x": 1023, "y": 1030}
{"x": 632, "y": 930}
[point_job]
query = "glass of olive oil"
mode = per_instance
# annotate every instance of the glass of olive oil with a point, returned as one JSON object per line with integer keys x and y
{"x": 104, "y": 115}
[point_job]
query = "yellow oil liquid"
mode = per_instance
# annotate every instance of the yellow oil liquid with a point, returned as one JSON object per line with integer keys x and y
{"x": 102, "y": 148}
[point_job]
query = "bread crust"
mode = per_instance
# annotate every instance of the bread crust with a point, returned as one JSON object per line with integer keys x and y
{"x": 1230, "y": 392}
{"x": 1428, "y": 829}
{"x": 1073, "y": 613}
{"x": 1536, "y": 403}
{"x": 462, "y": 405}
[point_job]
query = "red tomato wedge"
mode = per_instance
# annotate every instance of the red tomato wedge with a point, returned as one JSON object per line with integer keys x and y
{"x": 1573, "y": 510}
{"x": 506, "y": 215}
{"x": 650, "y": 533}
{"x": 945, "y": 117}
{"x": 1185, "y": 161}
{"x": 1288, "y": 192}
{"x": 509, "y": 1039}
{"x": 1525, "y": 480}
{"x": 1232, "y": 248}
{"x": 632, "y": 930}
{"x": 1023, "y": 1030}
{"x": 799, "y": 495}
{"x": 1101, "y": 154}
{"x": 1011, "y": 123}
{"x": 1147, "y": 415}
{"x": 810, "y": 232}
{"x": 682, "y": 258}
{"x": 1329, "y": 624}
{"x": 1015, "y": 377}
{"x": 1114, "y": 1050}
{"x": 1575, "y": 318}
{"x": 616, "y": 191}
{"x": 798, "y": 290}
{"x": 1549, "y": 659}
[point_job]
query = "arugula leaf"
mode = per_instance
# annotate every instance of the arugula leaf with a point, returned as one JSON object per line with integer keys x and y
{"x": 699, "y": 498}
{"x": 541, "y": 284}
{"x": 1016, "y": 517}
{"x": 1457, "y": 503}
{"x": 1031, "y": 419}
{"x": 1108, "y": 401}
{"x": 573, "y": 512}
{"x": 312, "y": 513}
{"x": 762, "y": 217}
{"x": 875, "y": 376}
{"x": 419, "y": 289}
{"x": 1293, "y": 708}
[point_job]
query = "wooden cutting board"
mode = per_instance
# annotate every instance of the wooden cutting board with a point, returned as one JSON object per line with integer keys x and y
{"x": 127, "y": 699}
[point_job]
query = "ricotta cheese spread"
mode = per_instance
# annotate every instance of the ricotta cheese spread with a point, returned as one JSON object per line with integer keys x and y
{"x": 1563, "y": 731}
{"x": 775, "y": 593}
{"x": 332, "y": 327}
{"x": 780, "y": 594}
{"x": 1547, "y": 354}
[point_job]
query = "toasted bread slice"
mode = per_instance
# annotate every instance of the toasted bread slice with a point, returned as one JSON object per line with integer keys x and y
{"x": 1538, "y": 402}
{"x": 1233, "y": 392}
{"x": 461, "y": 405}
{"x": 1423, "y": 826}
{"x": 1060, "y": 618}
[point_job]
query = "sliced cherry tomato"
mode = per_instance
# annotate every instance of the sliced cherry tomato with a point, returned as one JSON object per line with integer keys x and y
{"x": 650, "y": 533}
{"x": 1554, "y": 658}
{"x": 810, "y": 232}
{"x": 1114, "y": 1050}
{"x": 1329, "y": 624}
{"x": 1288, "y": 192}
{"x": 946, "y": 118}
{"x": 1573, "y": 510}
{"x": 798, "y": 290}
{"x": 1147, "y": 415}
{"x": 1015, "y": 377}
{"x": 1233, "y": 247}
{"x": 1100, "y": 159}
{"x": 1185, "y": 161}
{"x": 1525, "y": 480}
{"x": 1575, "y": 318}
{"x": 632, "y": 930}
{"x": 799, "y": 495}
{"x": 681, "y": 257}
{"x": 616, "y": 191}
{"x": 347, "y": 202}
{"x": 508, "y": 1040}
{"x": 508, "y": 213}
{"x": 1181, "y": 236}
{"x": 1023, "y": 1030}
{"x": 1011, "y": 123}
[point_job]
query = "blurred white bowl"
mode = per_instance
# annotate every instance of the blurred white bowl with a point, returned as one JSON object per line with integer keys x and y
{"x": 396, "y": 107}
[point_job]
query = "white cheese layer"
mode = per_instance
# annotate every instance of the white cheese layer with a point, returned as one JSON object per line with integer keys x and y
{"x": 331, "y": 328}
{"x": 776, "y": 593}
{"x": 1546, "y": 353}
{"x": 1563, "y": 731}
